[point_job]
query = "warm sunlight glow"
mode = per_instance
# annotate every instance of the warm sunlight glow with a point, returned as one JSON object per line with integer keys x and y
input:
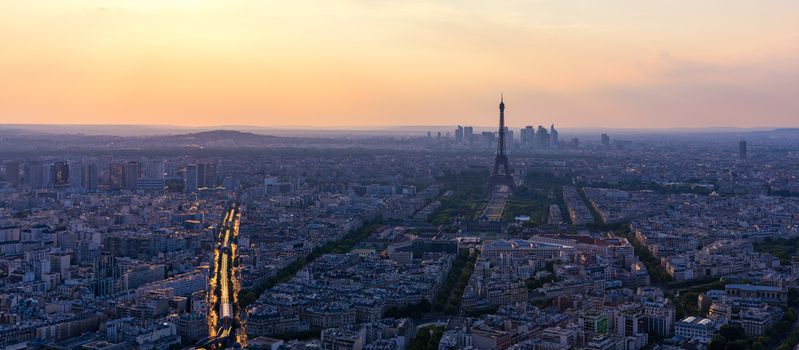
{"x": 354, "y": 62}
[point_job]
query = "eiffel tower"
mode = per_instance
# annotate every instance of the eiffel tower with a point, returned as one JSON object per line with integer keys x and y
{"x": 504, "y": 176}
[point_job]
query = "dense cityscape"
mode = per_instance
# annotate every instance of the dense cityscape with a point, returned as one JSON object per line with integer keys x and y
{"x": 435, "y": 240}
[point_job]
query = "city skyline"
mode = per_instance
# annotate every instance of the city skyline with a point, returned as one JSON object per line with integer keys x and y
{"x": 504, "y": 238}
{"x": 399, "y": 175}
{"x": 378, "y": 64}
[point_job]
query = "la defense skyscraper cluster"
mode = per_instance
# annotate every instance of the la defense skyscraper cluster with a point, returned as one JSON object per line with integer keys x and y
{"x": 527, "y": 138}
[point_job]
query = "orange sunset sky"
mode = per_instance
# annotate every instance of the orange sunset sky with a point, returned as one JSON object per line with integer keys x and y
{"x": 338, "y": 63}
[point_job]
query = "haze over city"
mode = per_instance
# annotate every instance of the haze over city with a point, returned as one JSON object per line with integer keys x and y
{"x": 399, "y": 175}
{"x": 353, "y": 63}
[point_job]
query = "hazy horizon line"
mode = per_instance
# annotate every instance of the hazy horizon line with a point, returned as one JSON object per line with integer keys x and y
{"x": 373, "y": 127}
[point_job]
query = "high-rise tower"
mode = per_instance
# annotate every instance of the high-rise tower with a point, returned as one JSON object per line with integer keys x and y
{"x": 501, "y": 160}
{"x": 742, "y": 150}
{"x": 89, "y": 179}
{"x": 131, "y": 176}
{"x": 60, "y": 175}
{"x": 116, "y": 176}
{"x": 12, "y": 173}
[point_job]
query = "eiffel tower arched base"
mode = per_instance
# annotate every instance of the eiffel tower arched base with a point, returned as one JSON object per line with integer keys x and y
{"x": 499, "y": 179}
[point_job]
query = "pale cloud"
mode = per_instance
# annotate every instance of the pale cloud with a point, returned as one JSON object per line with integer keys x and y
{"x": 682, "y": 93}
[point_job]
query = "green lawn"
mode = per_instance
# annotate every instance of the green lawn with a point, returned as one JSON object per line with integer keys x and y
{"x": 467, "y": 199}
{"x": 540, "y": 190}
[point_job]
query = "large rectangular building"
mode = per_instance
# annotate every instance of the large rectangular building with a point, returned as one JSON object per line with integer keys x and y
{"x": 515, "y": 250}
{"x": 756, "y": 321}
{"x": 770, "y": 294}
{"x": 691, "y": 327}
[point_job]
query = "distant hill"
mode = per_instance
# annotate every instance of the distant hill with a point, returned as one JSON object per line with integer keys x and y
{"x": 220, "y": 135}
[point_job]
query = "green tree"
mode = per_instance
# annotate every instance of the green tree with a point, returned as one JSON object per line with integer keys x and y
{"x": 732, "y": 332}
{"x": 718, "y": 343}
